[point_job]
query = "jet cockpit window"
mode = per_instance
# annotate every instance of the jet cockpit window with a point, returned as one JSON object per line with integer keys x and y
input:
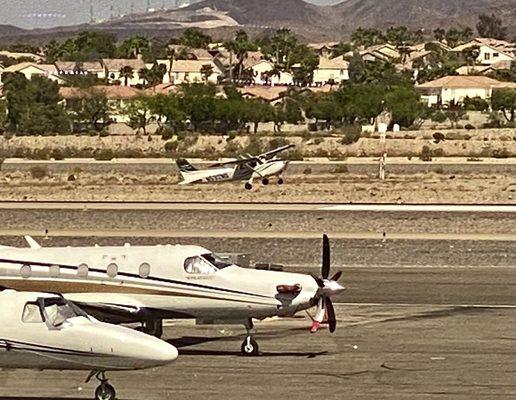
{"x": 57, "y": 310}
{"x": 198, "y": 265}
{"x": 216, "y": 260}
{"x": 32, "y": 314}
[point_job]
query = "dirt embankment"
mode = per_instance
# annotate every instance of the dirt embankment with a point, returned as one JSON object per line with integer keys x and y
{"x": 457, "y": 143}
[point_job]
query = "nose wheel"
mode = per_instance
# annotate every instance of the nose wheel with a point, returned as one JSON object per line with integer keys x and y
{"x": 281, "y": 181}
{"x": 249, "y": 346}
{"x": 104, "y": 391}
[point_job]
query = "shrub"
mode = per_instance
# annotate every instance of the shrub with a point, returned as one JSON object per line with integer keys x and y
{"x": 438, "y": 153}
{"x": 341, "y": 169}
{"x": 307, "y": 171}
{"x": 171, "y": 146}
{"x": 350, "y": 137}
{"x": 501, "y": 153}
{"x": 278, "y": 142}
{"x": 38, "y": 172}
{"x": 438, "y": 137}
{"x": 104, "y": 155}
{"x": 426, "y": 154}
{"x": 469, "y": 127}
{"x": 475, "y": 104}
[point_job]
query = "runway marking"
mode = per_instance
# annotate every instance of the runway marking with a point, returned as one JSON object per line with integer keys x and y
{"x": 454, "y": 208}
{"x": 127, "y": 233}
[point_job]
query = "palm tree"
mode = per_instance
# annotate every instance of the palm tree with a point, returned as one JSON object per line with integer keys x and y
{"x": 145, "y": 74}
{"x": 126, "y": 73}
{"x": 206, "y": 71}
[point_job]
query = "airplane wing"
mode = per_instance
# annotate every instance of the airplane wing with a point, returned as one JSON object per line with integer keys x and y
{"x": 268, "y": 155}
{"x": 239, "y": 161}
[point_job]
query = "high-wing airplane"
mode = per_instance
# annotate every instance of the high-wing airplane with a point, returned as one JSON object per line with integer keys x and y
{"x": 45, "y": 331}
{"x": 150, "y": 283}
{"x": 248, "y": 168}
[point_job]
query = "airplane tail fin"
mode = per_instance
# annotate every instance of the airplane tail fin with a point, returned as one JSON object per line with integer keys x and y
{"x": 184, "y": 165}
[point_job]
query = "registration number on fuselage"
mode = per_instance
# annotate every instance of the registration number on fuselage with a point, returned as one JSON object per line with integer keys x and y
{"x": 217, "y": 178}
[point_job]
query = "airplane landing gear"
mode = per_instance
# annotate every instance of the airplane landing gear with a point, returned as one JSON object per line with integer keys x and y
{"x": 265, "y": 181}
{"x": 104, "y": 391}
{"x": 153, "y": 327}
{"x": 249, "y": 346}
{"x": 248, "y": 186}
{"x": 281, "y": 181}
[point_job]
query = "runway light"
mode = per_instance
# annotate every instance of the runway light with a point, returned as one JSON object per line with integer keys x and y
{"x": 289, "y": 289}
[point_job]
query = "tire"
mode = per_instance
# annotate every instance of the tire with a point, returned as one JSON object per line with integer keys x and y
{"x": 248, "y": 186}
{"x": 105, "y": 392}
{"x": 265, "y": 181}
{"x": 281, "y": 181}
{"x": 249, "y": 347}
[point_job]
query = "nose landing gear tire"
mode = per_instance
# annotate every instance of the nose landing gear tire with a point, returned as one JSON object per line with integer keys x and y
{"x": 249, "y": 347}
{"x": 105, "y": 392}
{"x": 281, "y": 181}
{"x": 248, "y": 186}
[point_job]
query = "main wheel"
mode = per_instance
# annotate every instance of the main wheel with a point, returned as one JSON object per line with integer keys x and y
{"x": 105, "y": 392}
{"x": 248, "y": 186}
{"x": 281, "y": 181}
{"x": 249, "y": 347}
{"x": 265, "y": 181}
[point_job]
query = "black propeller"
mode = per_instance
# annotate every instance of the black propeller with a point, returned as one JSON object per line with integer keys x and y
{"x": 325, "y": 304}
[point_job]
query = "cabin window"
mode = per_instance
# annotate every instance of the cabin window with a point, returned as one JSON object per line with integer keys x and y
{"x": 82, "y": 271}
{"x": 25, "y": 271}
{"x": 198, "y": 265}
{"x": 32, "y": 314}
{"x": 54, "y": 271}
{"x": 112, "y": 270}
{"x": 145, "y": 270}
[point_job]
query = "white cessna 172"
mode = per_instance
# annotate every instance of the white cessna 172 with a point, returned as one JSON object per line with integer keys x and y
{"x": 247, "y": 169}
{"x": 150, "y": 283}
{"x": 45, "y": 331}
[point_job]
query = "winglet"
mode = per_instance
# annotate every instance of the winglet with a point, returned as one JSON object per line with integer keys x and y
{"x": 32, "y": 243}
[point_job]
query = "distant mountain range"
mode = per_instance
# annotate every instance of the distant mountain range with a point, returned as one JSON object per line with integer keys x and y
{"x": 311, "y": 22}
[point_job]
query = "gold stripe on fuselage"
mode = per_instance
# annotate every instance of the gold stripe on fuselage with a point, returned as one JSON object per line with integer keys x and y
{"x": 61, "y": 286}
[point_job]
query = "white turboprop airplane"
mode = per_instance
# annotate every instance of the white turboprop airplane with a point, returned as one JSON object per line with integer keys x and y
{"x": 150, "y": 283}
{"x": 247, "y": 169}
{"x": 45, "y": 331}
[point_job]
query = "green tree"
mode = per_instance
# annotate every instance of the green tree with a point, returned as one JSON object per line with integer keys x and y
{"x": 92, "y": 110}
{"x": 133, "y": 47}
{"x": 126, "y": 73}
{"x": 258, "y": 111}
{"x": 367, "y": 37}
{"x": 306, "y": 61}
{"x": 3, "y": 114}
{"x": 239, "y": 47}
{"x": 490, "y": 26}
{"x": 139, "y": 114}
{"x": 194, "y": 38}
{"x": 505, "y": 101}
{"x": 34, "y": 105}
{"x": 167, "y": 110}
{"x": 206, "y": 72}
{"x": 197, "y": 101}
{"x": 405, "y": 104}
{"x": 471, "y": 54}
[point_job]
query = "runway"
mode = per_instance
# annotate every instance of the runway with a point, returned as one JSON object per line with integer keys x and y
{"x": 428, "y": 311}
{"x": 378, "y": 352}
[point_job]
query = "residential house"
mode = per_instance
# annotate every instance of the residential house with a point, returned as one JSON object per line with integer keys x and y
{"x": 323, "y": 49}
{"x": 30, "y": 69}
{"x": 80, "y": 68}
{"x": 381, "y": 52}
{"x": 118, "y": 97}
{"x": 331, "y": 70}
{"x": 190, "y": 71}
{"x": 491, "y": 51}
{"x": 19, "y": 55}
{"x": 454, "y": 89}
{"x": 113, "y": 66}
{"x": 263, "y": 72}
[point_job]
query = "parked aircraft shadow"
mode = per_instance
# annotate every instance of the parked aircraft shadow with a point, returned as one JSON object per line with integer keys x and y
{"x": 192, "y": 352}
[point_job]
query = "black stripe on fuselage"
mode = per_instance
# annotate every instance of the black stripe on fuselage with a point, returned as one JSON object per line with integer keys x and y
{"x": 16, "y": 345}
{"x": 129, "y": 275}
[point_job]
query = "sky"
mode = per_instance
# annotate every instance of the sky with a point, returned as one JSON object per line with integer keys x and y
{"x": 48, "y": 13}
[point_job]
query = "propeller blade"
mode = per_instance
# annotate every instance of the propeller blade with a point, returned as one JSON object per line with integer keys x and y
{"x": 337, "y": 276}
{"x": 332, "y": 321}
{"x": 319, "y": 281}
{"x": 325, "y": 270}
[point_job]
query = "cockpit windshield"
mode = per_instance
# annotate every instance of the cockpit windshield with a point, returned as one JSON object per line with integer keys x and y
{"x": 52, "y": 310}
{"x": 206, "y": 264}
